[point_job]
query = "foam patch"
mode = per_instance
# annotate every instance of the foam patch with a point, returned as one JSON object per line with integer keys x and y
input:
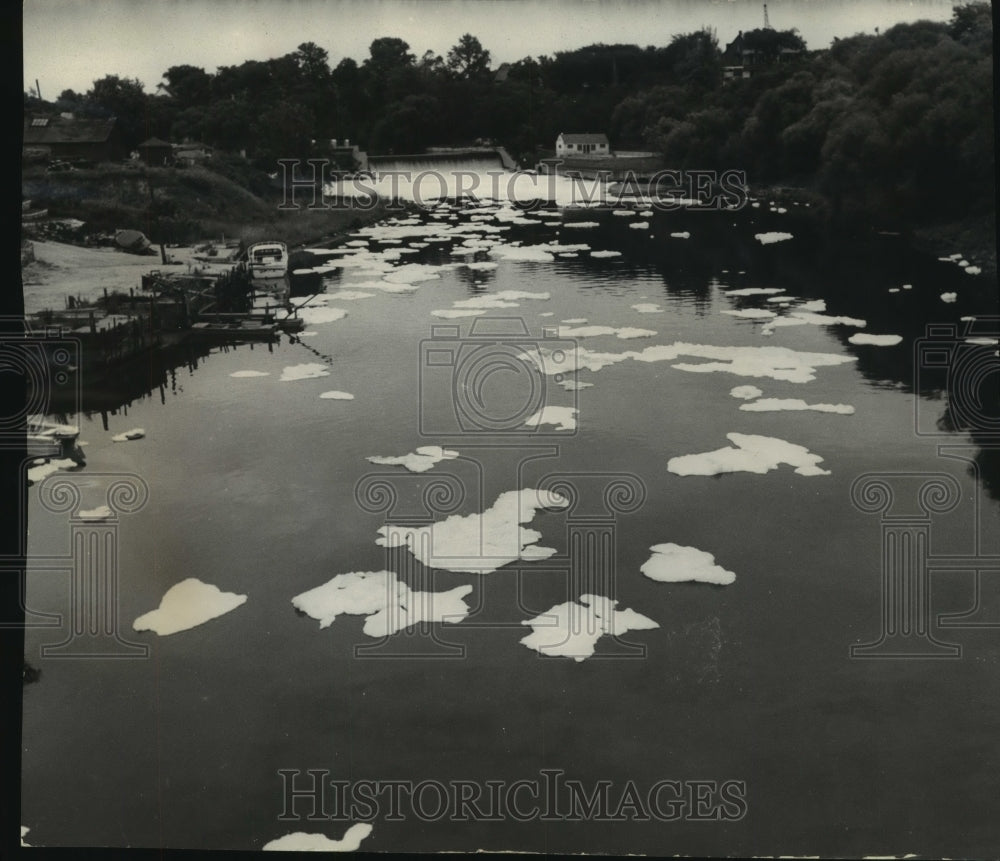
{"x": 674, "y": 563}
{"x": 564, "y": 418}
{"x": 746, "y": 393}
{"x": 186, "y": 605}
{"x": 773, "y": 405}
{"x": 479, "y": 542}
{"x": 307, "y": 371}
{"x": 875, "y": 340}
{"x": 772, "y": 237}
{"x": 423, "y": 459}
{"x": 301, "y": 841}
{"x": 127, "y": 436}
{"x": 749, "y": 453}
{"x": 390, "y": 605}
{"x": 572, "y": 629}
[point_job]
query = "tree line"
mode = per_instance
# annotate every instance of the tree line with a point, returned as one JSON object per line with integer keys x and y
{"x": 889, "y": 124}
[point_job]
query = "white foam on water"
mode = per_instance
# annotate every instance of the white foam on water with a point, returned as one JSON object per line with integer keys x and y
{"x": 753, "y": 291}
{"x": 309, "y": 334}
{"x": 746, "y": 393}
{"x": 481, "y": 265}
{"x": 907, "y": 286}
{"x": 675, "y": 563}
{"x": 574, "y": 385}
{"x": 580, "y": 224}
{"x": 423, "y": 459}
{"x": 949, "y": 297}
{"x": 126, "y": 436}
{"x": 564, "y": 418}
{"x": 798, "y": 317}
{"x": 893, "y": 289}
{"x": 485, "y": 302}
{"x": 186, "y": 605}
{"x": 551, "y": 362}
{"x": 639, "y": 225}
{"x": 501, "y": 299}
{"x": 648, "y": 213}
{"x": 605, "y": 254}
{"x": 43, "y": 470}
{"x": 752, "y": 313}
{"x": 572, "y": 629}
{"x": 973, "y": 270}
{"x": 648, "y": 308}
{"x": 684, "y": 234}
{"x": 390, "y": 605}
{"x": 337, "y": 396}
{"x": 479, "y": 542}
{"x": 350, "y": 295}
{"x": 307, "y": 371}
{"x": 773, "y": 405}
{"x": 547, "y": 314}
{"x": 317, "y": 316}
{"x": 982, "y": 342}
{"x": 455, "y": 313}
{"x": 624, "y": 333}
{"x": 574, "y": 320}
{"x": 875, "y": 340}
{"x": 813, "y": 305}
{"x": 523, "y": 254}
{"x": 302, "y": 841}
{"x": 749, "y": 453}
{"x": 772, "y": 237}
{"x": 102, "y": 512}
{"x": 623, "y": 212}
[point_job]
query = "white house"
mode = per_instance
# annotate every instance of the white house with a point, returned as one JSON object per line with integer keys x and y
{"x": 584, "y": 144}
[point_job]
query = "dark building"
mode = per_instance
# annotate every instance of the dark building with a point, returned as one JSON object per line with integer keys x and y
{"x": 70, "y": 138}
{"x": 155, "y": 152}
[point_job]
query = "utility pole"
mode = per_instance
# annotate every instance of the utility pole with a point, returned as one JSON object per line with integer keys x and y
{"x": 767, "y": 23}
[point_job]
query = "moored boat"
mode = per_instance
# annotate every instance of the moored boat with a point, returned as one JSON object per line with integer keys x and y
{"x": 267, "y": 265}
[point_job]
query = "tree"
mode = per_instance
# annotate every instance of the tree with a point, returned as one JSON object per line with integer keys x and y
{"x": 387, "y": 54}
{"x": 189, "y": 86}
{"x": 124, "y": 98}
{"x": 468, "y": 59}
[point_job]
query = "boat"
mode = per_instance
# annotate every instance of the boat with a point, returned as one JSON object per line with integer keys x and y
{"x": 234, "y": 330}
{"x": 267, "y": 264}
{"x": 48, "y": 439}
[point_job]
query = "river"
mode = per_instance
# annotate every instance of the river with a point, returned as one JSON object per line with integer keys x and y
{"x": 261, "y": 486}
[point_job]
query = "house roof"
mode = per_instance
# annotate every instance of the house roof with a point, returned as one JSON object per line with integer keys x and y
{"x": 49, "y": 130}
{"x": 584, "y": 138}
{"x": 153, "y": 143}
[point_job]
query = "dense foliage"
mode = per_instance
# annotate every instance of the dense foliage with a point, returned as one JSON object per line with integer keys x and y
{"x": 891, "y": 124}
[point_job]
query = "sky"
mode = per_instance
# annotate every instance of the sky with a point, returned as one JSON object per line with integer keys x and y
{"x": 70, "y": 43}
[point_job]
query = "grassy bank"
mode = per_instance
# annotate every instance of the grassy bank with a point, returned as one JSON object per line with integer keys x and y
{"x": 183, "y": 205}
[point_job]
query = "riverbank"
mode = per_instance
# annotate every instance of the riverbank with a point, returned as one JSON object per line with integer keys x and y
{"x": 974, "y": 237}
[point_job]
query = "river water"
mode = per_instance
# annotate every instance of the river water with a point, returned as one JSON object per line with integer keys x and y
{"x": 262, "y": 487}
